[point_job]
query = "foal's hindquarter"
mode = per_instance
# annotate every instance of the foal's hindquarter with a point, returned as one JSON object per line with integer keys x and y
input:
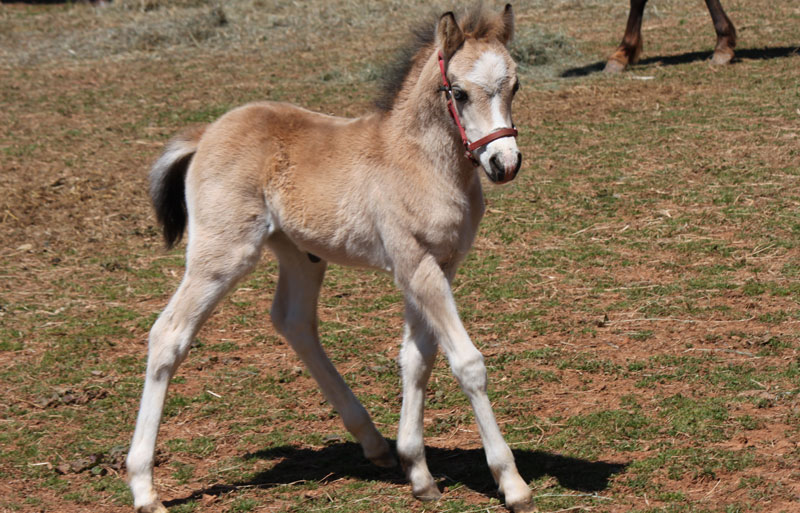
{"x": 382, "y": 191}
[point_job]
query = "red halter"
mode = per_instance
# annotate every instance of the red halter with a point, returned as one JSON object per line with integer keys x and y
{"x": 483, "y": 141}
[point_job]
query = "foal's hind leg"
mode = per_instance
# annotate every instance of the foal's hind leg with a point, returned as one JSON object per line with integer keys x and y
{"x": 416, "y": 362}
{"x": 726, "y": 33}
{"x": 294, "y": 314}
{"x": 212, "y": 268}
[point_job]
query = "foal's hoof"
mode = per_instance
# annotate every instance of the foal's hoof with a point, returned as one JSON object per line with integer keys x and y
{"x": 155, "y": 507}
{"x": 614, "y": 66}
{"x": 427, "y": 494}
{"x": 526, "y": 507}
{"x": 520, "y": 500}
{"x": 381, "y": 454}
{"x": 722, "y": 56}
{"x": 385, "y": 460}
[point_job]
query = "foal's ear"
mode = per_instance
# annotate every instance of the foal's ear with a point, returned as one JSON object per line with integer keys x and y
{"x": 449, "y": 37}
{"x": 507, "y": 31}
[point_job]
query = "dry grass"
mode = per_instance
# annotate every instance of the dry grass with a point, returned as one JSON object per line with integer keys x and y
{"x": 635, "y": 291}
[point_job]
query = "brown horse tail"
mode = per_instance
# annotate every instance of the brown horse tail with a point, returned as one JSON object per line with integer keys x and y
{"x": 167, "y": 184}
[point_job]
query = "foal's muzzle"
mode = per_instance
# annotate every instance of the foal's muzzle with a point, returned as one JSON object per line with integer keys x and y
{"x": 504, "y": 168}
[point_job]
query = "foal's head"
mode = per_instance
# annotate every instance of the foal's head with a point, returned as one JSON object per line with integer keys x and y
{"x": 483, "y": 78}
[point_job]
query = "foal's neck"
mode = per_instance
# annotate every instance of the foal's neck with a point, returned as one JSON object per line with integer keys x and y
{"x": 420, "y": 119}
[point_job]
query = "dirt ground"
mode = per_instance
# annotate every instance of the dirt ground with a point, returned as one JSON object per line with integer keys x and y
{"x": 635, "y": 291}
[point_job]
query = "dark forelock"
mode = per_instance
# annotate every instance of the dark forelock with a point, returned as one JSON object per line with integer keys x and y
{"x": 477, "y": 22}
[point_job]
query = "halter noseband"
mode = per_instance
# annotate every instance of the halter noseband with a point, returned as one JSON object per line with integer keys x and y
{"x": 483, "y": 141}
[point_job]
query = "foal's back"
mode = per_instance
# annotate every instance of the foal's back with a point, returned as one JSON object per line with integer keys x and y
{"x": 334, "y": 186}
{"x": 274, "y": 167}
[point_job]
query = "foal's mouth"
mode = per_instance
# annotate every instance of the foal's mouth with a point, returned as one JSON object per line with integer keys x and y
{"x": 500, "y": 172}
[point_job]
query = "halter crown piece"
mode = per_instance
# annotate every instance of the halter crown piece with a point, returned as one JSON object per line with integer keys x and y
{"x": 483, "y": 141}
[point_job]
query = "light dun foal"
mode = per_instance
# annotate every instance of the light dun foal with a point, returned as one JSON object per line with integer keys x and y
{"x": 395, "y": 190}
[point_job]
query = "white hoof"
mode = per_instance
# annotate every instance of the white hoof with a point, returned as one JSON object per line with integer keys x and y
{"x": 154, "y": 507}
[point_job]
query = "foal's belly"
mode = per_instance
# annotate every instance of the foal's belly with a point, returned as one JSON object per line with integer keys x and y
{"x": 333, "y": 237}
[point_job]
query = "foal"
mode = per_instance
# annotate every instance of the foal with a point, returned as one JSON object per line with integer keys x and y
{"x": 631, "y": 46}
{"x": 398, "y": 190}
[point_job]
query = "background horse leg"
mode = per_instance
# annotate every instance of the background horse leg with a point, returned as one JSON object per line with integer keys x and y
{"x": 416, "y": 362}
{"x": 427, "y": 287}
{"x": 212, "y": 268}
{"x": 726, "y": 33}
{"x": 294, "y": 314}
{"x": 631, "y": 47}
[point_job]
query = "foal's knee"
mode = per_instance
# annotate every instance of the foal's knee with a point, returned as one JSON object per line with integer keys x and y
{"x": 471, "y": 373}
{"x": 416, "y": 359}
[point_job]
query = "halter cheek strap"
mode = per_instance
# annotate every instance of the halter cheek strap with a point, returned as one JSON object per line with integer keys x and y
{"x": 483, "y": 141}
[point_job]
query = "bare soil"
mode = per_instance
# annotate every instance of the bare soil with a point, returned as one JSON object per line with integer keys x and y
{"x": 643, "y": 305}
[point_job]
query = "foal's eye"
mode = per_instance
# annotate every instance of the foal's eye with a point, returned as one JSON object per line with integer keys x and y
{"x": 515, "y": 88}
{"x": 459, "y": 95}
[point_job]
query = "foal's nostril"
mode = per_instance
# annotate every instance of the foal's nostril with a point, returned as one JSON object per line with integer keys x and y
{"x": 498, "y": 168}
{"x": 519, "y": 163}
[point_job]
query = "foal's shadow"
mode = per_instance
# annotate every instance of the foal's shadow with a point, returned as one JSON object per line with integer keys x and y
{"x": 685, "y": 58}
{"x": 448, "y": 466}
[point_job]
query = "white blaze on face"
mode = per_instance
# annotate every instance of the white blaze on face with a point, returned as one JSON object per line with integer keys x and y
{"x": 490, "y": 73}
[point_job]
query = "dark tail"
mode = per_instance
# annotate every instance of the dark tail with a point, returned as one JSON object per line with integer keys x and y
{"x": 167, "y": 184}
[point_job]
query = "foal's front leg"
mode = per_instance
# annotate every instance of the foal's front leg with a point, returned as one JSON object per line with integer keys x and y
{"x": 428, "y": 289}
{"x": 416, "y": 362}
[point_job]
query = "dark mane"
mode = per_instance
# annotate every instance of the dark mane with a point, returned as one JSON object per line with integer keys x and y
{"x": 397, "y": 71}
{"x": 476, "y": 22}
